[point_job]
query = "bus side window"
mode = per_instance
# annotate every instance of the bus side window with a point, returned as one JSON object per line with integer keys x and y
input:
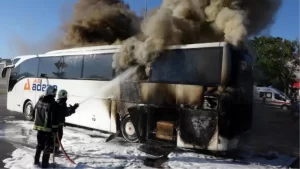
{"x": 29, "y": 68}
{"x": 72, "y": 67}
{"x": 50, "y": 67}
{"x": 98, "y": 67}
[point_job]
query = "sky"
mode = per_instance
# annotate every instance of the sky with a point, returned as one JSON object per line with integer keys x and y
{"x": 31, "y": 21}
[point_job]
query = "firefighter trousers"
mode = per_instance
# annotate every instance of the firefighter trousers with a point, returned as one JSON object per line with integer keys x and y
{"x": 60, "y": 135}
{"x": 45, "y": 141}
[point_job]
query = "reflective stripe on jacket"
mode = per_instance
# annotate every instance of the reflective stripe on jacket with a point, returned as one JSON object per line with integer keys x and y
{"x": 45, "y": 113}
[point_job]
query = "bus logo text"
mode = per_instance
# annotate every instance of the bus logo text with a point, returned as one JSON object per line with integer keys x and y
{"x": 36, "y": 86}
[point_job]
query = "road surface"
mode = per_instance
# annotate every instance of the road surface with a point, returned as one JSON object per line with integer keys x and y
{"x": 6, "y": 147}
{"x": 273, "y": 130}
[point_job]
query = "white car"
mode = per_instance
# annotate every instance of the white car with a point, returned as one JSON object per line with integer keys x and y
{"x": 273, "y": 97}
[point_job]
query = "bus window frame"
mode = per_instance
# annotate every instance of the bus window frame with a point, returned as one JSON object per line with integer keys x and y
{"x": 221, "y": 48}
{"x": 113, "y": 73}
{"x": 61, "y": 57}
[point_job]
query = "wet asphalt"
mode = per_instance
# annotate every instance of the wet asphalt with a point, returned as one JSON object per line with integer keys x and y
{"x": 6, "y": 147}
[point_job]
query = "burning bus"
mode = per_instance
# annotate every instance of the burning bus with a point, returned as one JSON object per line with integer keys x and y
{"x": 192, "y": 96}
{"x": 195, "y": 96}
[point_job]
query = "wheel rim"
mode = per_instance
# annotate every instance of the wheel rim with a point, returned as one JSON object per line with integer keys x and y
{"x": 28, "y": 112}
{"x": 129, "y": 129}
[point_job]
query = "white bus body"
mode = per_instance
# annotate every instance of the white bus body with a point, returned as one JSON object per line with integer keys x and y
{"x": 31, "y": 74}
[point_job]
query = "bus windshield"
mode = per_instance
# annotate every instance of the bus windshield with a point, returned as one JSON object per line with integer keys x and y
{"x": 189, "y": 66}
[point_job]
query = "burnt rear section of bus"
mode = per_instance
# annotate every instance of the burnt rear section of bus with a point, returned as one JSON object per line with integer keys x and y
{"x": 175, "y": 105}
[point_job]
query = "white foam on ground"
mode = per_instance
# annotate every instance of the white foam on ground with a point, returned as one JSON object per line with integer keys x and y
{"x": 192, "y": 160}
{"x": 90, "y": 152}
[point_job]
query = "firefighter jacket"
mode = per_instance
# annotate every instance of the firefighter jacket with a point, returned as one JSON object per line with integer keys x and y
{"x": 64, "y": 111}
{"x": 45, "y": 112}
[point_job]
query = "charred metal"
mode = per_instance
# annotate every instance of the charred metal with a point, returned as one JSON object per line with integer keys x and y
{"x": 189, "y": 115}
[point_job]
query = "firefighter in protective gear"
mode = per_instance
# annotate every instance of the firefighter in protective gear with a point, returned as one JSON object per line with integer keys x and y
{"x": 63, "y": 112}
{"x": 46, "y": 124}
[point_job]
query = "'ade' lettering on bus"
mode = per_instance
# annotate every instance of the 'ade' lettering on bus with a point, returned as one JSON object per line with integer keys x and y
{"x": 37, "y": 85}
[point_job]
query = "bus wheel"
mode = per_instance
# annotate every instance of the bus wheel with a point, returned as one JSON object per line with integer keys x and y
{"x": 128, "y": 130}
{"x": 28, "y": 111}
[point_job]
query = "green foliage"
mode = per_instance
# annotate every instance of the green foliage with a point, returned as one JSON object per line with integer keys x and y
{"x": 277, "y": 61}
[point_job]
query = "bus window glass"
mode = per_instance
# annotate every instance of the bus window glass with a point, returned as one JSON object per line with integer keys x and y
{"x": 29, "y": 68}
{"x": 189, "y": 66}
{"x": 16, "y": 60}
{"x": 50, "y": 66}
{"x": 13, "y": 77}
{"x": 98, "y": 67}
{"x": 71, "y": 67}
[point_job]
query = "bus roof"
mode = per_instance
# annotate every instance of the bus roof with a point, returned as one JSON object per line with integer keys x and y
{"x": 115, "y": 48}
{"x": 25, "y": 56}
{"x": 111, "y": 49}
{"x": 22, "y": 58}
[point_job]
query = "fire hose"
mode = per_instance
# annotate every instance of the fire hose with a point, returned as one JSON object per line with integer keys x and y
{"x": 66, "y": 155}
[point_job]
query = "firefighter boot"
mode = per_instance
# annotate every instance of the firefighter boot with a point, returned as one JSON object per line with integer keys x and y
{"x": 45, "y": 160}
{"x": 37, "y": 157}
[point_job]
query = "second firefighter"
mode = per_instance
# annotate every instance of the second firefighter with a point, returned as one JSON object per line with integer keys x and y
{"x": 63, "y": 112}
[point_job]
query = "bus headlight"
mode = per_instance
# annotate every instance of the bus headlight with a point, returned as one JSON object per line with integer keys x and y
{"x": 210, "y": 103}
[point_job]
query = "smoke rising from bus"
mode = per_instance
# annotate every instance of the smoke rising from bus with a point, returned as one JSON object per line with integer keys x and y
{"x": 99, "y": 22}
{"x": 194, "y": 21}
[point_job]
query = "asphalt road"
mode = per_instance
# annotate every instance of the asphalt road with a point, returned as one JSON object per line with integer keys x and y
{"x": 6, "y": 148}
{"x": 274, "y": 130}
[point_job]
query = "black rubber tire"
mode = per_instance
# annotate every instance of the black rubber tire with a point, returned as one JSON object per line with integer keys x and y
{"x": 133, "y": 138}
{"x": 28, "y": 116}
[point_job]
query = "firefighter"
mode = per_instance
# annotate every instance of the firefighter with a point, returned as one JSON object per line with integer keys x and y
{"x": 63, "y": 112}
{"x": 46, "y": 124}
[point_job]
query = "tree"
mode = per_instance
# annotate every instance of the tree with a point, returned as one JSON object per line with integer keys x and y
{"x": 277, "y": 61}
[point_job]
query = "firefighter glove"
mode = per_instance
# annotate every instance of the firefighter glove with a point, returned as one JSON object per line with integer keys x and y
{"x": 76, "y": 105}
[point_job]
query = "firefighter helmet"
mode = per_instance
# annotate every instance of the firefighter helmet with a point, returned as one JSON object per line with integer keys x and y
{"x": 62, "y": 94}
{"x": 51, "y": 91}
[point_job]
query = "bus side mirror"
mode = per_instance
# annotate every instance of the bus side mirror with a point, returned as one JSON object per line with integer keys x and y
{"x": 4, "y": 70}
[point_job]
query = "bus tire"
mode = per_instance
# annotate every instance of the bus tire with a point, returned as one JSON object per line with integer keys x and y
{"x": 128, "y": 131}
{"x": 28, "y": 111}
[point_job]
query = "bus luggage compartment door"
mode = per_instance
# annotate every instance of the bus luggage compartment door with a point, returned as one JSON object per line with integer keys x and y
{"x": 197, "y": 127}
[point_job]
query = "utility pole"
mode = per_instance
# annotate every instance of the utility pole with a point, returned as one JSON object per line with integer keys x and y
{"x": 146, "y": 8}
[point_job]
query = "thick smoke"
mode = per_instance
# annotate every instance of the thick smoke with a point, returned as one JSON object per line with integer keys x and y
{"x": 195, "y": 21}
{"x": 98, "y": 22}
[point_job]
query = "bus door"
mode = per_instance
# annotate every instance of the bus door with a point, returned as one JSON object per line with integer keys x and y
{"x": 16, "y": 89}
